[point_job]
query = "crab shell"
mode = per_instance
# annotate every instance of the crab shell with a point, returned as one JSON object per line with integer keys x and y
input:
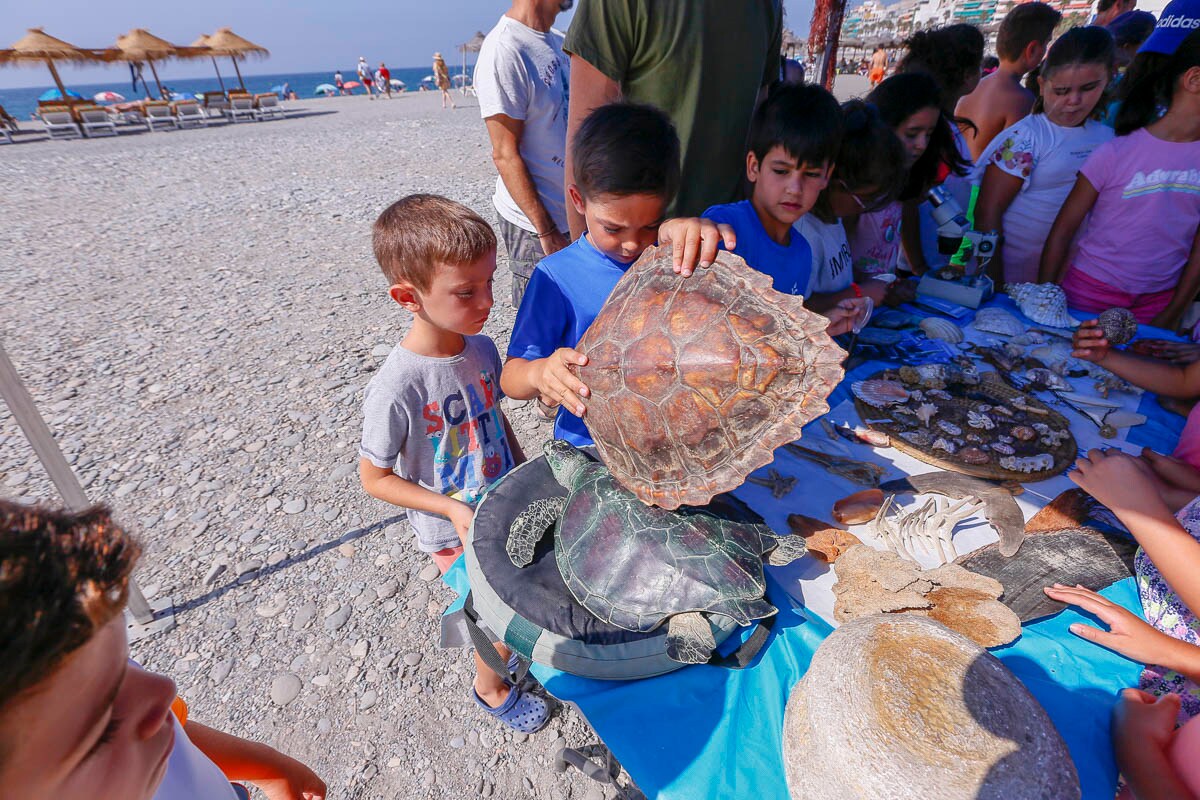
{"x": 695, "y": 381}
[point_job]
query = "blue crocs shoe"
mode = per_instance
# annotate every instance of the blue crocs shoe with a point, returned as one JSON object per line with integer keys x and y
{"x": 520, "y": 711}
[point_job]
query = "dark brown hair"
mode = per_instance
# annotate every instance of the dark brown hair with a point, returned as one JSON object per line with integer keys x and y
{"x": 63, "y": 576}
{"x": 416, "y": 234}
{"x": 1025, "y": 24}
{"x": 623, "y": 149}
{"x": 1090, "y": 44}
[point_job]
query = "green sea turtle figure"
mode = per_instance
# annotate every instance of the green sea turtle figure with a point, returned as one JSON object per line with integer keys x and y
{"x": 636, "y": 566}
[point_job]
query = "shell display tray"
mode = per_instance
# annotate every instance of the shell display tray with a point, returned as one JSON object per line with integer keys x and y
{"x": 896, "y": 420}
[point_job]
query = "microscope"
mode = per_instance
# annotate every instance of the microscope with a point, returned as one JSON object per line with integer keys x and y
{"x": 966, "y": 287}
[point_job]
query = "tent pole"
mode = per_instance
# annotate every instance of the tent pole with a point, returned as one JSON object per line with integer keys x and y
{"x": 20, "y": 403}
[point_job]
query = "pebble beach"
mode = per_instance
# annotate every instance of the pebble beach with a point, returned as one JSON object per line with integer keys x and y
{"x": 196, "y": 314}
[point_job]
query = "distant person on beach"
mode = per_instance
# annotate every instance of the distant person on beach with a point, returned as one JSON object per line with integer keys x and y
{"x": 522, "y": 78}
{"x": 665, "y": 54}
{"x": 441, "y": 76}
{"x": 339, "y": 82}
{"x": 78, "y": 718}
{"x": 879, "y": 65}
{"x": 385, "y": 79}
{"x": 1000, "y": 100}
{"x": 434, "y": 434}
{"x": 364, "y": 76}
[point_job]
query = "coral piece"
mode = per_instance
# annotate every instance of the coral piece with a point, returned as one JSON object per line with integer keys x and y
{"x": 1028, "y": 464}
{"x": 858, "y": 507}
{"x": 926, "y": 412}
{"x": 897, "y": 706}
{"x": 944, "y": 329}
{"x": 1119, "y": 325}
{"x": 1044, "y": 303}
{"x": 997, "y": 320}
{"x": 879, "y": 392}
{"x": 1043, "y": 378}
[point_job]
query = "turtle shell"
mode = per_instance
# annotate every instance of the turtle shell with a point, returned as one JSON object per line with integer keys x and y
{"x": 695, "y": 381}
{"x": 633, "y": 566}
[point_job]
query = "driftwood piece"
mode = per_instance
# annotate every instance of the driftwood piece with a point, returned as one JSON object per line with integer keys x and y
{"x": 897, "y": 706}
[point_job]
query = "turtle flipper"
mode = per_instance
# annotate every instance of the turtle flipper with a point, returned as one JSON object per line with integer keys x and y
{"x": 690, "y": 638}
{"x": 786, "y": 549}
{"x": 530, "y": 526}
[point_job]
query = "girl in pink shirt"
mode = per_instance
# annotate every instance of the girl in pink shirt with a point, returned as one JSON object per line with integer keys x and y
{"x": 1140, "y": 195}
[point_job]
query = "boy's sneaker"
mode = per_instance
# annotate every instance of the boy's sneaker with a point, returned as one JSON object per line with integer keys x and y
{"x": 522, "y": 711}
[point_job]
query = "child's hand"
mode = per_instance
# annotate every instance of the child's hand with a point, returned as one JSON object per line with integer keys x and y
{"x": 461, "y": 515}
{"x": 1128, "y": 634}
{"x": 1119, "y": 481}
{"x": 844, "y": 316}
{"x": 294, "y": 781}
{"x": 1172, "y": 471}
{"x": 695, "y": 241}
{"x": 1141, "y": 720}
{"x": 1089, "y": 343}
{"x": 558, "y": 385}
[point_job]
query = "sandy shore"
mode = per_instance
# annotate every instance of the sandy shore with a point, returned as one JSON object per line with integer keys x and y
{"x": 196, "y": 313}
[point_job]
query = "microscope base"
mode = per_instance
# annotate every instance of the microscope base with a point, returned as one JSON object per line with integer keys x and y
{"x": 969, "y": 292}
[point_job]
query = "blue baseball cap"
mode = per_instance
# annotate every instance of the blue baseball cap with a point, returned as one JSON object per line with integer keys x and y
{"x": 1179, "y": 19}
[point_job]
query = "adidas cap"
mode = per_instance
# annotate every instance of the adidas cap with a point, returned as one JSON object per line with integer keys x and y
{"x": 1178, "y": 20}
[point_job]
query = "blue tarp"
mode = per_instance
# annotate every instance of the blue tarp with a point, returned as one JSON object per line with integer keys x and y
{"x": 710, "y": 732}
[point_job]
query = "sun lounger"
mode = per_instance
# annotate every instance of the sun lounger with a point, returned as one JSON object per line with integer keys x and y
{"x": 59, "y": 122}
{"x": 159, "y": 113}
{"x": 268, "y": 107}
{"x": 215, "y": 103}
{"x": 95, "y": 121}
{"x": 242, "y": 105}
{"x": 189, "y": 112}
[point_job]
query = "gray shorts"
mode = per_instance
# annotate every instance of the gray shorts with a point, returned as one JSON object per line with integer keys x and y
{"x": 524, "y": 252}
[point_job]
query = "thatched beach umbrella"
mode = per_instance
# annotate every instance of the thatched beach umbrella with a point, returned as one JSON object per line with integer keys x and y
{"x": 227, "y": 43}
{"x": 474, "y": 45}
{"x": 139, "y": 45}
{"x": 202, "y": 43}
{"x": 37, "y": 46}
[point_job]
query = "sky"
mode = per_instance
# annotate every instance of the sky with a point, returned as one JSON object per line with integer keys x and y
{"x": 302, "y": 35}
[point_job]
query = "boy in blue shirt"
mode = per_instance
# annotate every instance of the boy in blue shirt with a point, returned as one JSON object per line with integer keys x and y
{"x": 626, "y": 171}
{"x": 793, "y": 143}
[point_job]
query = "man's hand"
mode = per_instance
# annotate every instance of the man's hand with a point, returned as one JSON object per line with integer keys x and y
{"x": 553, "y": 242}
{"x": 1089, "y": 343}
{"x": 461, "y": 515}
{"x": 557, "y": 385}
{"x": 1127, "y": 634}
{"x": 1119, "y": 481}
{"x": 695, "y": 241}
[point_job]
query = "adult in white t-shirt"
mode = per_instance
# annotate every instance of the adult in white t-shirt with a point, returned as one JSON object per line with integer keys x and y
{"x": 522, "y": 79}
{"x": 1045, "y": 158}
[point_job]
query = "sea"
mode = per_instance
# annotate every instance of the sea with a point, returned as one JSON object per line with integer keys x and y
{"x": 23, "y": 102}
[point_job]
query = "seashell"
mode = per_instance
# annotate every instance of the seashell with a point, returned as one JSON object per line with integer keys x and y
{"x": 980, "y": 421}
{"x": 919, "y": 438}
{"x": 1003, "y": 411}
{"x": 1024, "y": 433}
{"x": 1029, "y": 337}
{"x": 973, "y": 455}
{"x": 1005, "y": 439}
{"x": 1053, "y": 438}
{"x": 944, "y": 329}
{"x": 917, "y": 396}
{"x": 858, "y": 507}
{"x": 974, "y": 438}
{"x": 997, "y": 320}
{"x": 1108, "y": 382}
{"x": 879, "y": 393}
{"x": 1119, "y": 325}
{"x": 931, "y": 712}
{"x": 948, "y": 446}
{"x": 1003, "y": 449}
{"x": 1044, "y": 303}
{"x": 927, "y": 376}
{"x": 926, "y": 412}
{"x": 1043, "y": 377}
{"x": 1028, "y": 464}
{"x": 949, "y": 427}
{"x": 939, "y": 394}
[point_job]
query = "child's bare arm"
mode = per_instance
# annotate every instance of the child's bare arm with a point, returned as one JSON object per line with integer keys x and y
{"x": 279, "y": 777}
{"x": 1185, "y": 290}
{"x": 1142, "y": 728}
{"x": 549, "y": 378}
{"x": 386, "y": 485}
{"x": 1058, "y": 242}
{"x": 1151, "y": 374}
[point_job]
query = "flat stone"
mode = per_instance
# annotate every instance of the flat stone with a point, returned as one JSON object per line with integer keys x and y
{"x": 412, "y": 659}
{"x": 458, "y": 742}
{"x": 220, "y": 671}
{"x": 387, "y": 589}
{"x": 285, "y": 688}
{"x": 429, "y": 572}
{"x": 381, "y": 350}
{"x": 320, "y": 680}
{"x": 272, "y": 607}
{"x": 346, "y": 549}
{"x": 338, "y": 618}
{"x": 274, "y": 504}
{"x": 295, "y": 506}
{"x": 304, "y": 615}
{"x": 343, "y": 472}
{"x": 293, "y": 440}
{"x": 248, "y": 566}
{"x": 368, "y": 700}
{"x": 360, "y": 648}
{"x": 255, "y": 446}
{"x": 324, "y": 726}
{"x": 19, "y": 477}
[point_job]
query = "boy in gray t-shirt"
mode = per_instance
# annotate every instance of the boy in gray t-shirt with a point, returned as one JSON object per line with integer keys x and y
{"x": 434, "y": 437}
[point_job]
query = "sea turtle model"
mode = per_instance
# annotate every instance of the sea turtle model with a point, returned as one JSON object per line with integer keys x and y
{"x": 636, "y": 566}
{"x": 694, "y": 382}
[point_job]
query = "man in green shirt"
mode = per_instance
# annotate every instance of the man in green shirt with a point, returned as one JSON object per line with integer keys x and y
{"x": 703, "y": 62}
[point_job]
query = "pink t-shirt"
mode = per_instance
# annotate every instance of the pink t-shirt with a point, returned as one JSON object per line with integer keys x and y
{"x": 875, "y": 244}
{"x": 1140, "y": 231}
{"x": 1188, "y": 448}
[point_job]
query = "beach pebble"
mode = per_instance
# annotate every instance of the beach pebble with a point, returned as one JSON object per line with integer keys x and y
{"x": 295, "y": 505}
{"x": 429, "y": 572}
{"x": 338, "y": 618}
{"x": 284, "y": 688}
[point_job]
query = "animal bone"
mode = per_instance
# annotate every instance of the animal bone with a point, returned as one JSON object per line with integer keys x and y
{"x": 1000, "y": 509}
{"x": 931, "y": 525}
{"x": 863, "y": 473}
